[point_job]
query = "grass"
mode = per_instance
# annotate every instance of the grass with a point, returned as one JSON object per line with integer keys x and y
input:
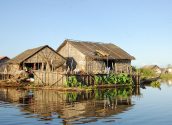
{"x": 147, "y": 73}
{"x": 166, "y": 76}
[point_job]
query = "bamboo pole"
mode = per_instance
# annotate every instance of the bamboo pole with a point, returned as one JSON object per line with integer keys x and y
{"x": 57, "y": 79}
{"x": 38, "y": 68}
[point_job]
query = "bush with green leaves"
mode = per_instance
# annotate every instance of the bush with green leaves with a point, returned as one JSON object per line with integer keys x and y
{"x": 113, "y": 79}
{"x": 73, "y": 82}
{"x": 123, "y": 79}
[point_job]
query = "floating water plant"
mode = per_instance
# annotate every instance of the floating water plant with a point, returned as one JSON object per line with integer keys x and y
{"x": 113, "y": 79}
{"x": 155, "y": 84}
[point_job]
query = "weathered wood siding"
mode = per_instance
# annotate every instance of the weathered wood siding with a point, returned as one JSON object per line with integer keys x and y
{"x": 46, "y": 56}
{"x": 123, "y": 66}
{"x": 69, "y": 51}
{"x": 13, "y": 68}
{"x": 94, "y": 66}
{"x": 43, "y": 55}
{"x": 49, "y": 78}
{"x": 46, "y": 64}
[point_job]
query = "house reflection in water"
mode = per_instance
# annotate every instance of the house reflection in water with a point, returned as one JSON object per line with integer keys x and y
{"x": 168, "y": 82}
{"x": 10, "y": 95}
{"x": 71, "y": 107}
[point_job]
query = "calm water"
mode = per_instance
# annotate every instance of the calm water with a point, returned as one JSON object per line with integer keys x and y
{"x": 131, "y": 106}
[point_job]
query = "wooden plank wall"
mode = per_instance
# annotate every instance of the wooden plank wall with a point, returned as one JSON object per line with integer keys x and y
{"x": 49, "y": 78}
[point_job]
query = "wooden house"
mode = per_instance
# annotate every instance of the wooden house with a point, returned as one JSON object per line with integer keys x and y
{"x": 169, "y": 70}
{"x": 41, "y": 58}
{"x": 94, "y": 57}
{"x": 44, "y": 61}
{"x": 3, "y": 61}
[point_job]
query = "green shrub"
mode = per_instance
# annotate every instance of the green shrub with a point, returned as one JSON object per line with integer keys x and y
{"x": 147, "y": 73}
{"x": 105, "y": 79}
{"x": 73, "y": 82}
{"x": 113, "y": 79}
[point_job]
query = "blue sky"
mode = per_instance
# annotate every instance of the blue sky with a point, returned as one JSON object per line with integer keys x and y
{"x": 142, "y": 27}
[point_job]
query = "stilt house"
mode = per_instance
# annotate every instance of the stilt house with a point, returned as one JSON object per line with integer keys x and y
{"x": 94, "y": 57}
{"x": 43, "y": 58}
{"x": 45, "y": 63}
{"x": 3, "y": 61}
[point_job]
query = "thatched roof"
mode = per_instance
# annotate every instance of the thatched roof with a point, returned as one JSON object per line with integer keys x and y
{"x": 151, "y": 67}
{"x": 98, "y": 50}
{"x": 3, "y": 57}
{"x": 29, "y": 53}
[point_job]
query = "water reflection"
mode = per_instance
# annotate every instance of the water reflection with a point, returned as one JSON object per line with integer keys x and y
{"x": 83, "y": 107}
{"x": 168, "y": 82}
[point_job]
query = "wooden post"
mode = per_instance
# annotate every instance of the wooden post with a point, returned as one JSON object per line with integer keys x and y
{"x": 57, "y": 78}
{"x": 48, "y": 78}
{"x": 52, "y": 77}
{"x": 138, "y": 79}
{"x": 45, "y": 78}
{"x": 84, "y": 79}
{"x": 107, "y": 62}
{"x": 87, "y": 80}
{"x": 42, "y": 67}
{"x": 91, "y": 80}
{"x": 3, "y": 77}
{"x": 62, "y": 80}
{"x": 34, "y": 66}
{"x": 127, "y": 69}
{"x": 115, "y": 68}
